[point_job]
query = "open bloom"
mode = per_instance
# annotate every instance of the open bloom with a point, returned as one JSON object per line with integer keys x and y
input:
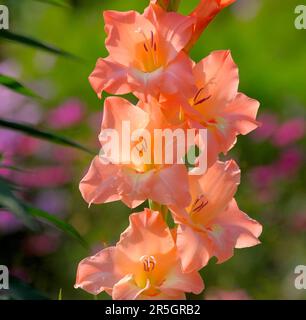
{"x": 145, "y": 54}
{"x": 217, "y": 105}
{"x": 204, "y": 13}
{"x": 213, "y": 225}
{"x": 136, "y": 179}
{"x": 143, "y": 265}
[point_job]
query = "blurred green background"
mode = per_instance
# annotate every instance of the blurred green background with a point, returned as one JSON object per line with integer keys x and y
{"x": 271, "y": 56}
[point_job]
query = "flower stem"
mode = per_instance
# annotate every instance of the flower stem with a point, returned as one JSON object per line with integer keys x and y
{"x": 169, "y": 5}
{"x": 155, "y": 206}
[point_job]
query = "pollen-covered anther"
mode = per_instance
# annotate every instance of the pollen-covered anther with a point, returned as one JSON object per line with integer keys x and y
{"x": 149, "y": 263}
{"x": 199, "y": 204}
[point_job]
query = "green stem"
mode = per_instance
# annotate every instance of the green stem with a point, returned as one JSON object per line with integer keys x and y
{"x": 169, "y": 5}
{"x": 174, "y": 5}
{"x": 155, "y": 206}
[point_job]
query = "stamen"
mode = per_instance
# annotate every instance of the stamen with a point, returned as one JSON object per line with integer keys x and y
{"x": 198, "y": 93}
{"x": 145, "y": 47}
{"x": 202, "y": 100}
{"x": 152, "y": 39}
{"x": 149, "y": 263}
{"x": 199, "y": 204}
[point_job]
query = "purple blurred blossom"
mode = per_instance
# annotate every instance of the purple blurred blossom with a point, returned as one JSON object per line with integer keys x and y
{"x": 263, "y": 176}
{"x": 289, "y": 132}
{"x": 268, "y": 126}
{"x": 41, "y": 245}
{"x": 9, "y": 223}
{"x": 215, "y": 294}
{"x": 299, "y": 222}
{"x": 66, "y": 115}
{"x": 63, "y": 155}
{"x": 20, "y": 273}
{"x": 43, "y": 177}
{"x": 53, "y": 201}
{"x": 289, "y": 163}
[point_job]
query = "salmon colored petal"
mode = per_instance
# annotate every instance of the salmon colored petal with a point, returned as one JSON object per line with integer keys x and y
{"x": 179, "y": 281}
{"x": 178, "y": 75}
{"x": 152, "y": 230}
{"x": 218, "y": 75}
{"x": 175, "y": 29}
{"x": 174, "y": 78}
{"x": 241, "y": 114}
{"x": 218, "y": 186}
{"x": 101, "y": 183}
{"x": 121, "y": 28}
{"x": 116, "y": 110}
{"x": 109, "y": 76}
{"x": 98, "y": 273}
{"x": 178, "y": 295}
{"x": 204, "y": 14}
{"x": 196, "y": 256}
{"x": 247, "y": 229}
{"x": 169, "y": 186}
{"x": 126, "y": 289}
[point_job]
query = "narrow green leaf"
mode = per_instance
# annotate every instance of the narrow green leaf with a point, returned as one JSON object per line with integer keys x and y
{"x": 13, "y": 168}
{"x": 37, "y": 133}
{"x": 16, "y": 86}
{"x": 60, "y": 224}
{"x": 9, "y": 201}
{"x": 21, "y": 291}
{"x": 25, "y": 40}
{"x": 60, "y": 294}
{"x": 59, "y": 3}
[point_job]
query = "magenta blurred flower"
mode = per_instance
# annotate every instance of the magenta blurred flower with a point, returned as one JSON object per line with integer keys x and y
{"x": 28, "y": 146}
{"x": 20, "y": 273}
{"x": 289, "y": 163}
{"x": 43, "y": 177}
{"x": 289, "y": 132}
{"x": 299, "y": 222}
{"x": 227, "y": 295}
{"x": 53, "y": 201}
{"x": 9, "y": 223}
{"x": 66, "y": 115}
{"x": 263, "y": 176}
{"x": 63, "y": 154}
{"x": 268, "y": 127}
{"x": 41, "y": 245}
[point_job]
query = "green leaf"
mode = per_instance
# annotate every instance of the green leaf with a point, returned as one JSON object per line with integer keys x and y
{"x": 28, "y": 41}
{"x": 16, "y": 86}
{"x": 13, "y": 168}
{"x": 37, "y": 133}
{"x": 60, "y": 294}
{"x": 60, "y": 224}
{"x": 21, "y": 291}
{"x": 169, "y": 5}
{"x": 27, "y": 213}
{"x": 59, "y": 3}
{"x": 9, "y": 201}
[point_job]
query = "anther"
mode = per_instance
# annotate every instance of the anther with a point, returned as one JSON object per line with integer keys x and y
{"x": 148, "y": 262}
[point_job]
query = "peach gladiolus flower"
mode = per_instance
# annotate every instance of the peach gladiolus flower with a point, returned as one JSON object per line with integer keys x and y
{"x": 213, "y": 223}
{"x": 133, "y": 182}
{"x": 217, "y": 105}
{"x": 144, "y": 264}
{"x": 204, "y": 13}
{"x": 145, "y": 54}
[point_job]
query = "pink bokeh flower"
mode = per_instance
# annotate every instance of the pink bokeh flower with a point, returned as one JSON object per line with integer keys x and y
{"x": 66, "y": 115}
{"x": 289, "y": 132}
